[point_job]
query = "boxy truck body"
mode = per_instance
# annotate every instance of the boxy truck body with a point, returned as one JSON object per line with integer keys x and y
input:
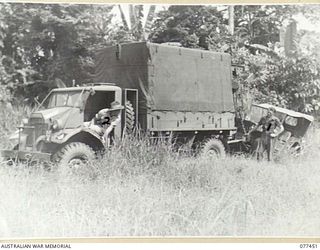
{"x": 178, "y": 89}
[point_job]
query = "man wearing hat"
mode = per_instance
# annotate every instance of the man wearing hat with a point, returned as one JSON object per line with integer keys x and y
{"x": 271, "y": 128}
{"x": 109, "y": 119}
{"x": 106, "y": 120}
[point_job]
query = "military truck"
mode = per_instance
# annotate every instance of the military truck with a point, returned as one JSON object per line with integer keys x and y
{"x": 166, "y": 91}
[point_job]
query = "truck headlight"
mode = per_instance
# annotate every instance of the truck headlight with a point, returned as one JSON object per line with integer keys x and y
{"x": 56, "y": 125}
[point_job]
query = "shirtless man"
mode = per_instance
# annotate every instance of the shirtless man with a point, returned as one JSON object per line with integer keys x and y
{"x": 106, "y": 120}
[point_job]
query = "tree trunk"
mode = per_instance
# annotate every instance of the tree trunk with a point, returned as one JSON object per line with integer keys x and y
{"x": 148, "y": 23}
{"x": 231, "y": 19}
{"x": 123, "y": 18}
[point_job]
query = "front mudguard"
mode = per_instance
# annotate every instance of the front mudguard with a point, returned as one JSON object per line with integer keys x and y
{"x": 81, "y": 134}
{"x": 69, "y": 133}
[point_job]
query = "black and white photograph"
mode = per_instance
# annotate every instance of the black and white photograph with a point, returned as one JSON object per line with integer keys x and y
{"x": 159, "y": 120}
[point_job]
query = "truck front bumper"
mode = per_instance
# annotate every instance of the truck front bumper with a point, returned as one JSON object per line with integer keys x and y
{"x": 25, "y": 155}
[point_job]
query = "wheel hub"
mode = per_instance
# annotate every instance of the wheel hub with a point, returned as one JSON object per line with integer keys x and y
{"x": 212, "y": 153}
{"x": 77, "y": 163}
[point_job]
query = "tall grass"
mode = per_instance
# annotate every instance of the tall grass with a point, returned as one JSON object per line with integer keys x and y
{"x": 137, "y": 191}
{"x": 142, "y": 189}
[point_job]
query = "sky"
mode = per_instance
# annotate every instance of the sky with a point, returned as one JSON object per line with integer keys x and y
{"x": 304, "y": 23}
{"x": 146, "y": 8}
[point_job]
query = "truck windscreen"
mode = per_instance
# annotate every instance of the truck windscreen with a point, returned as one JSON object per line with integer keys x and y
{"x": 63, "y": 99}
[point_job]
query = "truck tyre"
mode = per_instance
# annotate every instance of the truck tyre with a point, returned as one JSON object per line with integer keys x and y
{"x": 74, "y": 155}
{"x": 213, "y": 148}
{"x": 130, "y": 118}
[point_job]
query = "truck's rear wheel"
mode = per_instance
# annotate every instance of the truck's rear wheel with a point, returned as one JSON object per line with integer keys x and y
{"x": 74, "y": 155}
{"x": 213, "y": 148}
{"x": 130, "y": 117}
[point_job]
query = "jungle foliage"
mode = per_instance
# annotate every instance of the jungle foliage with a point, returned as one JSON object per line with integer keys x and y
{"x": 41, "y": 44}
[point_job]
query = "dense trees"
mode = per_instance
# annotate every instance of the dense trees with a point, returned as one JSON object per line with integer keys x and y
{"x": 41, "y": 43}
{"x": 192, "y": 26}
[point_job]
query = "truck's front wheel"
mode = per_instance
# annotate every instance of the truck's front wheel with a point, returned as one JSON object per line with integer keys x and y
{"x": 213, "y": 148}
{"x": 74, "y": 155}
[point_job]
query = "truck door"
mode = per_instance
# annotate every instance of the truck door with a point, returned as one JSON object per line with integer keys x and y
{"x": 130, "y": 116}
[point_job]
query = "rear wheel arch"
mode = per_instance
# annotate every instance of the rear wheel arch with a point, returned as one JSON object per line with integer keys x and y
{"x": 203, "y": 136}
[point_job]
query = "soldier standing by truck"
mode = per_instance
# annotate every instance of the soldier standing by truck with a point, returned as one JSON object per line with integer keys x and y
{"x": 271, "y": 128}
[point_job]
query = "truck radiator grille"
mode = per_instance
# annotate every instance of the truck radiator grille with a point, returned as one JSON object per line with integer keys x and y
{"x": 35, "y": 128}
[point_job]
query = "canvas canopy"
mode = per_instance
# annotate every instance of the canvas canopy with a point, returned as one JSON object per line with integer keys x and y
{"x": 168, "y": 77}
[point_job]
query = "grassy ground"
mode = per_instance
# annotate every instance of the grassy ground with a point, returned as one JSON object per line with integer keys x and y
{"x": 142, "y": 190}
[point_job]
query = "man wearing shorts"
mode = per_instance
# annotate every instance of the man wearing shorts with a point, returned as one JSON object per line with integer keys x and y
{"x": 271, "y": 129}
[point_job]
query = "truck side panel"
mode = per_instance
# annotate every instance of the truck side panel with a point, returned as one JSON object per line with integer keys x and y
{"x": 188, "y": 121}
{"x": 169, "y": 79}
{"x": 182, "y": 79}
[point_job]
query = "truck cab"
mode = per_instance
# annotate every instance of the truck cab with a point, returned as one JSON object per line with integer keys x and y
{"x": 61, "y": 119}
